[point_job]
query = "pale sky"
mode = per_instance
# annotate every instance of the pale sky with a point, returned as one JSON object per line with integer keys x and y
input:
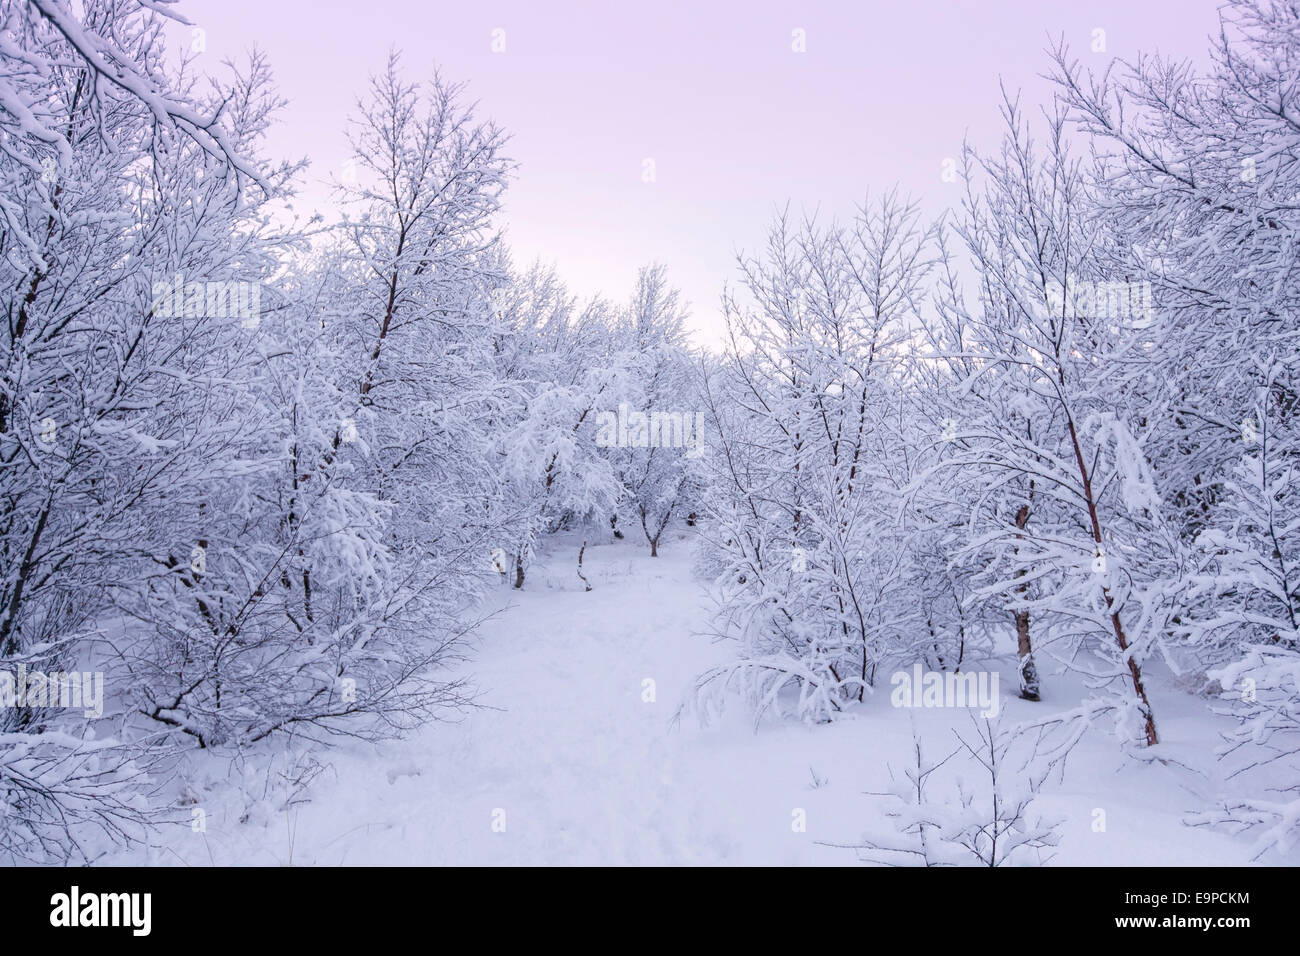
{"x": 735, "y": 120}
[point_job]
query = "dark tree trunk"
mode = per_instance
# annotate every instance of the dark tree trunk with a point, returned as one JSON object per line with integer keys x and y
{"x": 585, "y": 583}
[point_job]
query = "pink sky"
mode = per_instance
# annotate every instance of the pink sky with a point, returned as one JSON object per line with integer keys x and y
{"x": 735, "y": 120}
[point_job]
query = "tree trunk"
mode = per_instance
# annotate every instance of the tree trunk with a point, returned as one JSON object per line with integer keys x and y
{"x": 1025, "y": 650}
{"x": 1135, "y": 672}
{"x": 585, "y": 583}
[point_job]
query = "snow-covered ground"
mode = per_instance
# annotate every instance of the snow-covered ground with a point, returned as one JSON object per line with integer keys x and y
{"x": 568, "y": 762}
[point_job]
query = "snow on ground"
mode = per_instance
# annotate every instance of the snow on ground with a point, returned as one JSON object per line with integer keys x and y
{"x": 580, "y": 769}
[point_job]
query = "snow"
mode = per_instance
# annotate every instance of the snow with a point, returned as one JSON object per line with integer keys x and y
{"x": 588, "y": 773}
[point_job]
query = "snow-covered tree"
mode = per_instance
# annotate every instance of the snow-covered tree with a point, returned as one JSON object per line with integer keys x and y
{"x": 1067, "y": 511}
{"x": 657, "y": 413}
{"x": 135, "y": 246}
{"x": 1244, "y": 612}
{"x": 805, "y": 469}
{"x": 559, "y": 370}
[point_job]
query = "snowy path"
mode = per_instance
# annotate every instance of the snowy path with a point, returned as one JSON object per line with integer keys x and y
{"x": 581, "y": 770}
{"x": 584, "y": 768}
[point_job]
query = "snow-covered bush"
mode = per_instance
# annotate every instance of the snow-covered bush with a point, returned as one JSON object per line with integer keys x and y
{"x": 987, "y": 821}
